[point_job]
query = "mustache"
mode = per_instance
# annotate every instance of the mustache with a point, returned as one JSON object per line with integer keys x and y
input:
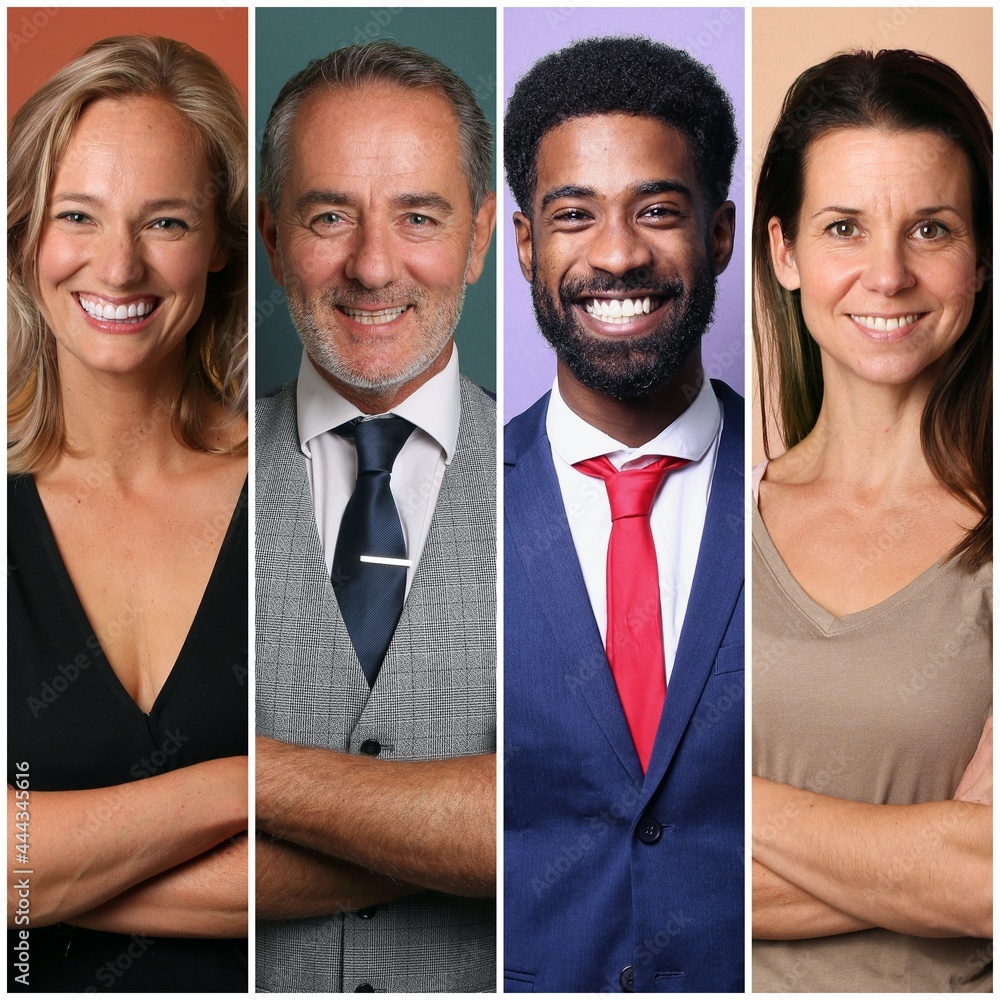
{"x": 639, "y": 280}
{"x": 356, "y": 295}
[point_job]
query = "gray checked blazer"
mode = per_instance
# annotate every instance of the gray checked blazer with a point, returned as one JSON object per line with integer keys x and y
{"x": 434, "y": 697}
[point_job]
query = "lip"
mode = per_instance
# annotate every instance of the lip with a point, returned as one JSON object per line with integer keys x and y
{"x": 637, "y": 327}
{"x": 123, "y": 327}
{"x": 903, "y": 325}
{"x": 372, "y": 322}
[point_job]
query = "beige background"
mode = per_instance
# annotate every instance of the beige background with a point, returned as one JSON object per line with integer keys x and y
{"x": 788, "y": 40}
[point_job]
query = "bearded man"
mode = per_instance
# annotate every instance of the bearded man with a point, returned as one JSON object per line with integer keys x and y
{"x": 623, "y": 580}
{"x": 376, "y": 540}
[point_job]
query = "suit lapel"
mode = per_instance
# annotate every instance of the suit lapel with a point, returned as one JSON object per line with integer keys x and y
{"x": 716, "y": 588}
{"x": 536, "y": 526}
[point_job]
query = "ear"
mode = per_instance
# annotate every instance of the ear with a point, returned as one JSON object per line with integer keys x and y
{"x": 482, "y": 232}
{"x": 981, "y": 274}
{"x": 525, "y": 248}
{"x": 219, "y": 258}
{"x": 268, "y": 226}
{"x": 722, "y": 235}
{"x": 782, "y": 257}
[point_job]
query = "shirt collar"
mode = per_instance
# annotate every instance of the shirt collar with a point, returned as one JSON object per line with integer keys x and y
{"x": 435, "y": 407}
{"x": 689, "y": 436}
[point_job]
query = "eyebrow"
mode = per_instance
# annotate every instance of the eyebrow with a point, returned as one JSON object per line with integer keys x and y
{"x": 421, "y": 199}
{"x": 929, "y": 210}
{"x": 645, "y": 188}
{"x": 159, "y": 205}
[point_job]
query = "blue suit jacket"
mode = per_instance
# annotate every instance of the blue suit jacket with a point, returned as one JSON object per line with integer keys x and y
{"x": 610, "y": 877}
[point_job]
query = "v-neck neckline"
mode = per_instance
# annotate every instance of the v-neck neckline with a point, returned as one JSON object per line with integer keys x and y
{"x": 824, "y": 620}
{"x": 79, "y": 612}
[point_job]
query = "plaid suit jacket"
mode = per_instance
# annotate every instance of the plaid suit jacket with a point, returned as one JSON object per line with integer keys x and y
{"x": 435, "y": 697}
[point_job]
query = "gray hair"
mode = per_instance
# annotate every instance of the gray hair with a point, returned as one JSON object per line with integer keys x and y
{"x": 378, "y": 62}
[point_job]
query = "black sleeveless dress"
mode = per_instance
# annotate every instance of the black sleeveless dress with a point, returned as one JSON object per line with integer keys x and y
{"x": 71, "y": 725}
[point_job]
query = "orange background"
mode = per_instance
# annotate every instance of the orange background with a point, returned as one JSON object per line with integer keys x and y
{"x": 787, "y": 40}
{"x": 41, "y": 40}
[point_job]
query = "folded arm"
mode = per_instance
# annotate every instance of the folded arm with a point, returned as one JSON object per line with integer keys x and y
{"x": 205, "y": 897}
{"x": 86, "y": 847}
{"x": 922, "y": 869}
{"x": 430, "y": 823}
{"x": 294, "y": 881}
{"x": 784, "y": 912}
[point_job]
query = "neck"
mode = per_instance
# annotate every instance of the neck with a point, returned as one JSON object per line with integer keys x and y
{"x": 868, "y": 435}
{"x": 633, "y": 421}
{"x": 384, "y": 398}
{"x": 120, "y": 422}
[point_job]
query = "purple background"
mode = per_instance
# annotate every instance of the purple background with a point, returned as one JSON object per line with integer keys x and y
{"x": 715, "y": 37}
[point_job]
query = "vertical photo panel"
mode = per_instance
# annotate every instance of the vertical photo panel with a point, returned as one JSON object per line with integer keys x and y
{"x": 127, "y": 624}
{"x": 872, "y": 657}
{"x": 623, "y": 501}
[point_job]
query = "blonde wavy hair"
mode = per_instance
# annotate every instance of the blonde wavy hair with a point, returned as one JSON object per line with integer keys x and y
{"x": 216, "y": 369}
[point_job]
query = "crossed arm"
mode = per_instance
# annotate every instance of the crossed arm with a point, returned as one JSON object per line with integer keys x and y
{"x": 341, "y": 831}
{"x": 150, "y": 856}
{"x": 824, "y": 866}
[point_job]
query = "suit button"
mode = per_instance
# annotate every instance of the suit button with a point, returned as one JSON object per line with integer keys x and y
{"x": 371, "y": 748}
{"x": 649, "y": 831}
{"x": 367, "y": 913}
{"x": 627, "y": 979}
{"x": 365, "y": 988}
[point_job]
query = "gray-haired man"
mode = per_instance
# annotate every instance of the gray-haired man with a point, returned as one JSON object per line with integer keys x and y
{"x": 376, "y": 540}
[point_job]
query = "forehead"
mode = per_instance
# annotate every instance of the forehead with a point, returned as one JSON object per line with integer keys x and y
{"x": 118, "y": 139}
{"x": 613, "y": 153}
{"x": 377, "y": 133}
{"x": 853, "y": 167}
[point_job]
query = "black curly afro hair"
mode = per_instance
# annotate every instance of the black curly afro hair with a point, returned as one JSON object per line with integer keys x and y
{"x": 621, "y": 75}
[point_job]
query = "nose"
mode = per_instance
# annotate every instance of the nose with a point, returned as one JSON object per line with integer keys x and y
{"x": 372, "y": 259}
{"x": 617, "y": 247}
{"x": 887, "y": 268}
{"x": 119, "y": 262}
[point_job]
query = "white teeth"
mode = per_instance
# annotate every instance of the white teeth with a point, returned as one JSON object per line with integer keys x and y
{"x": 618, "y": 310}
{"x": 369, "y": 317}
{"x": 882, "y": 324}
{"x": 107, "y": 311}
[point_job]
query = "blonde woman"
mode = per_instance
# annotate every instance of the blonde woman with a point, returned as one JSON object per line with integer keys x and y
{"x": 127, "y": 554}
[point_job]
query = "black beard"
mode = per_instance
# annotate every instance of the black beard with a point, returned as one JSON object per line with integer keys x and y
{"x": 631, "y": 368}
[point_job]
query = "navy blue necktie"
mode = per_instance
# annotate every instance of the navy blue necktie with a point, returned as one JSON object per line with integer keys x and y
{"x": 370, "y": 594}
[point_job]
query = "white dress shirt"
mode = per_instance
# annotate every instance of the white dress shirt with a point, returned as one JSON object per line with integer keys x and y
{"x": 332, "y": 460}
{"x": 678, "y": 515}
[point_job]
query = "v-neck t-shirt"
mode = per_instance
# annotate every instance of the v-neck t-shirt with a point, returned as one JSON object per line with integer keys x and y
{"x": 885, "y": 705}
{"x": 74, "y": 726}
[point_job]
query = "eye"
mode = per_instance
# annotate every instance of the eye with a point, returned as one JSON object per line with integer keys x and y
{"x": 416, "y": 219}
{"x": 75, "y": 218}
{"x": 170, "y": 225}
{"x": 327, "y": 219}
{"x": 570, "y": 215}
{"x": 931, "y": 230}
{"x": 661, "y": 212}
{"x": 843, "y": 228}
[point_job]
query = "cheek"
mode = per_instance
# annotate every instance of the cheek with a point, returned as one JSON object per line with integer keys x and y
{"x": 436, "y": 267}
{"x": 58, "y": 259}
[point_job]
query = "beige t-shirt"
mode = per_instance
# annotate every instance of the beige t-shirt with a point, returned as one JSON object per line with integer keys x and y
{"x": 885, "y": 706}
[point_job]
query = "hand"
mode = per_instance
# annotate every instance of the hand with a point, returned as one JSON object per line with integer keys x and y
{"x": 977, "y": 781}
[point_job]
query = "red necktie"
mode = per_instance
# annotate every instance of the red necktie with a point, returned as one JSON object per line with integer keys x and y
{"x": 635, "y": 634}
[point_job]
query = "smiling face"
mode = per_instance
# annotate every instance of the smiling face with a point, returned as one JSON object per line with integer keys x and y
{"x": 375, "y": 238}
{"x": 885, "y": 255}
{"x": 621, "y": 252}
{"x": 128, "y": 239}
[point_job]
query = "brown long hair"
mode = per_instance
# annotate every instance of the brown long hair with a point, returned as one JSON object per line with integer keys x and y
{"x": 216, "y": 369}
{"x": 894, "y": 90}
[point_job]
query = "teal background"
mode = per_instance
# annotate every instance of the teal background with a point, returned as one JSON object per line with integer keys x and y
{"x": 464, "y": 39}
